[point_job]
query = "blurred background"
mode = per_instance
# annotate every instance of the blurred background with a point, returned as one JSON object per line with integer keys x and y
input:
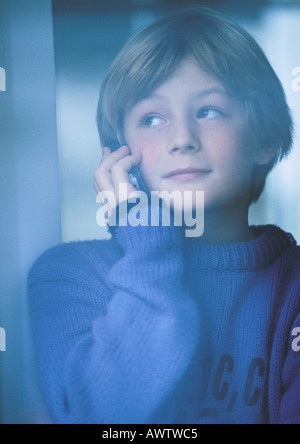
{"x": 55, "y": 55}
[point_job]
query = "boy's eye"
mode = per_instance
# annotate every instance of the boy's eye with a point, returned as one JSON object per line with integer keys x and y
{"x": 208, "y": 113}
{"x": 151, "y": 120}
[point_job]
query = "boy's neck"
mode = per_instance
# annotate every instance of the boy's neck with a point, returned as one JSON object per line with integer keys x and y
{"x": 227, "y": 226}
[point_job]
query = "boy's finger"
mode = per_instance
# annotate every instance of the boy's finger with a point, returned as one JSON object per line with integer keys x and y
{"x": 102, "y": 181}
{"x": 119, "y": 171}
{"x": 119, "y": 174}
{"x": 110, "y": 159}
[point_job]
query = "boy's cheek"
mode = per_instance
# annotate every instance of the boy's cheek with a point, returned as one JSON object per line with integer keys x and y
{"x": 220, "y": 140}
{"x": 226, "y": 148}
{"x": 152, "y": 152}
{"x": 151, "y": 166}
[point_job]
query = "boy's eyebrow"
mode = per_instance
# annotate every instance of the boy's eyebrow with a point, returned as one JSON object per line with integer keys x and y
{"x": 199, "y": 94}
{"x": 210, "y": 91}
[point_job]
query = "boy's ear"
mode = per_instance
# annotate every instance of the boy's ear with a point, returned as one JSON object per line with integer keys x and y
{"x": 265, "y": 155}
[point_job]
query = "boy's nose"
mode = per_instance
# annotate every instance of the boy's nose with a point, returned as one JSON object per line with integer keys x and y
{"x": 183, "y": 139}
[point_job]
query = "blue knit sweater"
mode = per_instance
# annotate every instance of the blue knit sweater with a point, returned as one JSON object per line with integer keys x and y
{"x": 151, "y": 327}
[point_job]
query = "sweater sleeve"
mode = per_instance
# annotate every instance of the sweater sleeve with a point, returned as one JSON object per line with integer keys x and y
{"x": 290, "y": 401}
{"x": 117, "y": 367}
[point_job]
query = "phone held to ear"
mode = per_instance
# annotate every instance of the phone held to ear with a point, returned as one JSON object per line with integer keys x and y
{"x": 136, "y": 179}
{"x": 135, "y": 176}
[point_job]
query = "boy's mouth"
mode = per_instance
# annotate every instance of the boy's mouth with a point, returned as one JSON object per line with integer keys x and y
{"x": 185, "y": 174}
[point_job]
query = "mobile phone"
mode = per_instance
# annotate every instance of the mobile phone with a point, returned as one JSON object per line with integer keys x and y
{"x": 136, "y": 179}
{"x": 135, "y": 176}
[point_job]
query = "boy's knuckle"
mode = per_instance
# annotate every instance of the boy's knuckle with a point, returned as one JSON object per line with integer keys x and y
{"x": 114, "y": 169}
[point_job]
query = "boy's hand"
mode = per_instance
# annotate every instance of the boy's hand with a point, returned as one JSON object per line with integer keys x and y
{"x": 112, "y": 171}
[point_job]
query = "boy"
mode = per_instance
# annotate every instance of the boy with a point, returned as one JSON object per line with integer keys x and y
{"x": 152, "y": 327}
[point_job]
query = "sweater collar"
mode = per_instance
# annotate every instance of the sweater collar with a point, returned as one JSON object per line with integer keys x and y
{"x": 270, "y": 242}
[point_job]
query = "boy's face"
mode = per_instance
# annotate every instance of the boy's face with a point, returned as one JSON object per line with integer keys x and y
{"x": 191, "y": 121}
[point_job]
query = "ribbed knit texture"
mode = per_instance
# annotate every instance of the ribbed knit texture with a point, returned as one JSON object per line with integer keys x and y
{"x": 150, "y": 327}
